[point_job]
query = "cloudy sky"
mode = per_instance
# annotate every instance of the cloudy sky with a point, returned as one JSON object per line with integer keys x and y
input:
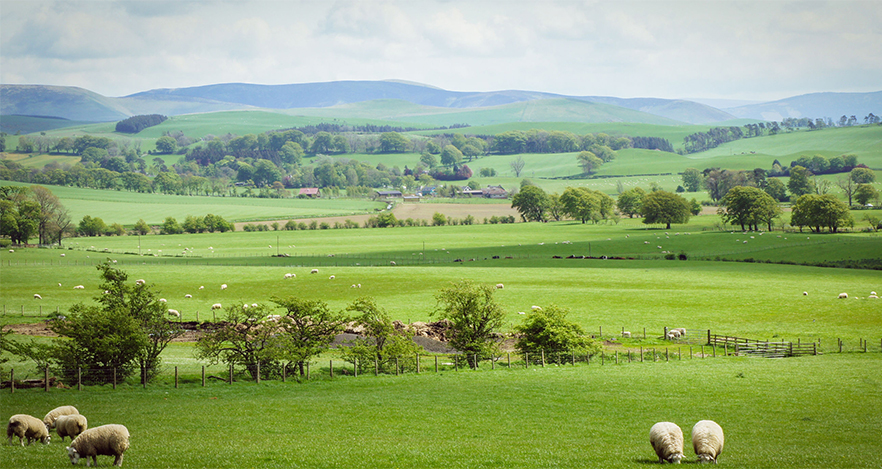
{"x": 742, "y": 50}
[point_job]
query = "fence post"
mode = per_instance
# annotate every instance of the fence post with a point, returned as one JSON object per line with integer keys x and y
{"x": 644, "y": 332}
{"x": 708, "y": 337}
{"x": 80, "y": 379}
{"x": 667, "y": 356}
{"x": 114, "y": 378}
{"x": 574, "y": 358}
{"x": 176, "y": 377}
{"x": 641, "y": 354}
{"x": 231, "y": 373}
{"x": 418, "y": 363}
{"x": 865, "y": 346}
{"x": 526, "y": 359}
{"x": 12, "y": 379}
{"x": 601, "y": 358}
{"x": 665, "y": 333}
{"x": 436, "y": 363}
{"x": 702, "y": 351}
{"x": 508, "y": 358}
{"x": 814, "y": 349}
{"x": 543, "y": 357}
{"x": 258, "y": 371}
{"x": 714, "y": 349}
{"x": 46, "y": 378}
{"x": 203, "y": 376}
{"x": 331, "y": 363}
{"x": 456, "y": 363}
{"x": 617, "y": 357}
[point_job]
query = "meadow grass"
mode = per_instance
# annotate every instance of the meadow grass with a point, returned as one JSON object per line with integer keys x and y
{"x": 809, "y": 412}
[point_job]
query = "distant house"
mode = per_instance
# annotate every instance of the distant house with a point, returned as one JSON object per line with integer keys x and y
{"x": 495, "y": 192}
{"x": 312, "y": 192}
{"x": 427, "y": 190}
{"x": 387, "y": 194}
{"x": 412, "y": 198}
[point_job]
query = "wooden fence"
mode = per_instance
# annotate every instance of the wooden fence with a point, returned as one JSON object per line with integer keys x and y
{"x": 766, "y": 349}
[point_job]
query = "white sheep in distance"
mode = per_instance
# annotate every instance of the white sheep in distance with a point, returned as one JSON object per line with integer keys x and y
{"x": 331, "y": 277}
{"x": 673, "y": 334}
{"x": 163, "y": 300}
{"x": 681, "y": 330}
{"x": 223, "y": 286}
{"x": 314, "y": 271}
{"x": 71, "y": 425}
{"x": 805, "y": 293}
{"x": 392, "y": 263}
{"x": 140, "y": 281}
{"x": 52, "y": 416}
{"x": 290, "y": 275}
{"x": 106, "y": 440}
{"x": 202, "y": 287}
{"x": 79, "y": 287}
{"x": 499, "y": 286}
{"x": 37, "y": 296}
{"x": 707, "y": 440}
{"x": 626, "y": 334}
{"x": 174, "y": 312}
{"x": 27, "y": 427}
{"x": 216, "y": 306}
{"x": 667, "y": 441}
{"x": 188, "y": 296}
{"x": 536, "y": 308}
{"x": 843, "y": 295}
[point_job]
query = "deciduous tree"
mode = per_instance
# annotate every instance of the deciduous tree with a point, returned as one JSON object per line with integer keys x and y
{"x": 474, "y": 316}
{"x": 665, "y": 207}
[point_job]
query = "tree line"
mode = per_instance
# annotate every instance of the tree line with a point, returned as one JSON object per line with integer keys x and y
{"x": 135, "y": 124}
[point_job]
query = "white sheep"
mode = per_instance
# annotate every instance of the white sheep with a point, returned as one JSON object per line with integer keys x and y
{"x": 314, "y": 271}
{"x": 27, "y": 427}
{"x": 62, "y": 255}
{"x": 188, "y": 296}
{"x": 71, "y": 425}
{"x": 358, "y": 285}
{"x": 353, "y": 286}
{"x": 106, "y": 440}
{"x": 843, "y": 295}
{"x": 331, "y": 277}
{"x": 667, "y": 441}
{"x": 174, "y": 312}
{"x": 49, "y": 419}
{"x": 536, "y": 308}
{"x": 873, "y": 295}
{"x": 681, "y": 330}
{"x": 163, "y": 300}
{"x": 707, "y": 441}
{"x": 290, "y": 275}
{"x": 223, "y": 286}
{"x": 626, "y": 334}
{"x": 673, "y": 335}
{"x": 79, "y": 287}
{"x": 140, "y": 281}
{"x": 202, "y": 287}
{"x": 805, "y": 293}
{"x": 216, "y": 306}
{"x": 37, "y": 296}
{"x": 392, "y": 263}
{"x": 499, "y": 286}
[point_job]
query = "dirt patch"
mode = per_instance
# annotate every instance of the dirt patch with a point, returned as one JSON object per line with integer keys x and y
{"x": 40, "y": 329}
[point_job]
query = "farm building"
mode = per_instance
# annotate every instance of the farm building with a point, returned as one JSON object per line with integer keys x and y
{"x": 312, "y": 192}
{"x": 387, "y": 194}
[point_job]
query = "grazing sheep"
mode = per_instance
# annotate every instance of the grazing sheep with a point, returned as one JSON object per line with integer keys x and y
{"x": 358, "y": 285}
{"x": 673, "y": 334}
{"x": 12, "y": 250}
{"x": 843, "y": 295}
{"x": 27, "y": 427}
{"x": 188, "y": 296}
{"x": 71, "y": 425}
{"x": 536, "y": 308}
{"x": 353, "y": 286}
{"x": 499, "y": 286}
{"x": 216, "y": 306}
{"x": 37, "y": 296}
{"x": 805, "y": 293}
{"x": 79, "y": 287}
{"x": 162, "y": 300}
{"x": 140, "y": 281}
{"x": 667, "y": 441}
{"x": 224, "y": 286}
{"x": 681, "y": 330}
{"x": 392, "y": 263}
{"x": 202, "y": 287}
{"x": 873, "y": 295}
{"x": 314, "y": 271}
{"x": 174, "y": 312}
{"x": 626, "y": 334}
{"x": 331, "y": 277}
{"x": 707, "y": 440}
{"x": 290, "y": 275}
{"x": 106, "y": 440}
{"x": 49, "y": 419}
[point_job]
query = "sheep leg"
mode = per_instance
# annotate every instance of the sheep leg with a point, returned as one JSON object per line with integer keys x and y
{"x": 118, "y": 460}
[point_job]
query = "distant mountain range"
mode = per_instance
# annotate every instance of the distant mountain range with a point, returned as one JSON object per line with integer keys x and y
{"x": 84, "y": 105}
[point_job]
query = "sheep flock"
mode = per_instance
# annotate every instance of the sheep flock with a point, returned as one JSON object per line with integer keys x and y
{"x": 666, "y": 439}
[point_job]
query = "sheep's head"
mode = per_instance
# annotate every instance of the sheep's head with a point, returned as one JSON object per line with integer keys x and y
{"x": 45, "y": 440}
{"x": 73, "y": 454}
{"x": 675, "y": 458}
{"x": 702, "y": 458}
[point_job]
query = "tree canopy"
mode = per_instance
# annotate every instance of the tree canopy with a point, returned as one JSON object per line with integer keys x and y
{"x": 748, "y": 206}
{"x": 474, "y": 316}
{"x": 665, "y": 207}
{"x": 820, "y": 211}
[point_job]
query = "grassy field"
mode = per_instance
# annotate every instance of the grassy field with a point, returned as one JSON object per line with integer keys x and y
{"x": 810, "y": 412}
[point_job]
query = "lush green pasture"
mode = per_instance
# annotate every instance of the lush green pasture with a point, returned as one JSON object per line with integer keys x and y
{"x": 810, "y": 412}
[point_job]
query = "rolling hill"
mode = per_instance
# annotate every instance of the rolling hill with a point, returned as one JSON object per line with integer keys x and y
{"x": 832, "y": 105}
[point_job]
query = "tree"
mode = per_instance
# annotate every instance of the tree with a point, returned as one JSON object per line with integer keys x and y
{"x": 170, "y": 226}
{"x": 531, "y": 203}
{"x": 547, "y": 331}
{"x": 429, "y": 159}
{"x": 249, "y": 337}
{"x": 864, "y": 193}
{"x": 776, "y": 189}
{"x": 166, "y": 145}
{"x": 291, "y": 153}
{"x": 54, "y": 217}
{"x": 19, "y": 215}
{"x": 630, "y": 201}
{"x": 92, "y": 226}
{"x": 588, "y": 162}
{"x": 848, "y": 187}
{"x": 692, "y": 179}
{"x": 450, "y": 155}
{"x": 380, "y": 344}
{"x": 820, "y": 211}
{"x": 748, "y": 206}
{"x": 800, "y": 183}
{"x": 581, "y": 203}
{"x": 310, "y": 327}
{"x": 393, "y": 142}
{"x": 474, "y": 317}
{"x": 664, "y": 207}
{"x": 863, "y": 175}
{"x": 555, "y": 206}
{"x": 141, "y": 227}
{"x": 517, "y": 165}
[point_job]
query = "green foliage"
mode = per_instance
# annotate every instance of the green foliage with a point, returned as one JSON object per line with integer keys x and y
{"x": 531, "y": 202}
{"x": 583, "y": 204}
{"x": 166, "y": 145}
{"x": 170, "y": 226}
{"x": 665, "y": 207}
{"x": 748, "y": 206}
{"x": 692, "y": 179}
{"x": 631, "y": 201}
{"x": 776, "y": 189}
{"x": 800, "y": 183}
{"x": 307, "y": 330}
{"x": 864, "y": 193}
{"x": 474, "y": 317}
{"x": 820, "y": 211}
{"x": 863, "y": 175}
{"x": 92, "y": 226}
{"x": 548, "y": 330}
{"x": 381, "y": 345}
{"x": 392, "y": 142}
{"x": 588, "y": 161}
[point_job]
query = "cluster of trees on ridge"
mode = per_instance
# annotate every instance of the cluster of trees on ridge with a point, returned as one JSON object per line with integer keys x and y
{"x": 131, "y": 320}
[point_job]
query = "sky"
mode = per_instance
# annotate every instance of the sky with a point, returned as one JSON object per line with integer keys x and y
{"x": 713, "y": 49}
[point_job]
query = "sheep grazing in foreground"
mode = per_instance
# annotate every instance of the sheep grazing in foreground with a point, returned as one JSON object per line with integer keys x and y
{"x": 314, "y": 271}
{"x": 27, "y": 427}
{"x": 52, "y": 416}
{"x": 843, "y": 295}
{"x": 106, "y": 440}
{"x": 216, "y": 306}
{"x": 71, "y": 425}
{"x": 174, "y": 312}
{"x": 667, "y": 441}
{"x": 626, "y": 334}
{"x": 707, "y": 441}
{"x": 37, "y": 296}
{"x": 499, "y": 286}
{"x": 392, "y": 263}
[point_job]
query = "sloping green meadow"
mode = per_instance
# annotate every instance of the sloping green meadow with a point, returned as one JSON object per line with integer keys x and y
{"x": 810, "y": 412}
